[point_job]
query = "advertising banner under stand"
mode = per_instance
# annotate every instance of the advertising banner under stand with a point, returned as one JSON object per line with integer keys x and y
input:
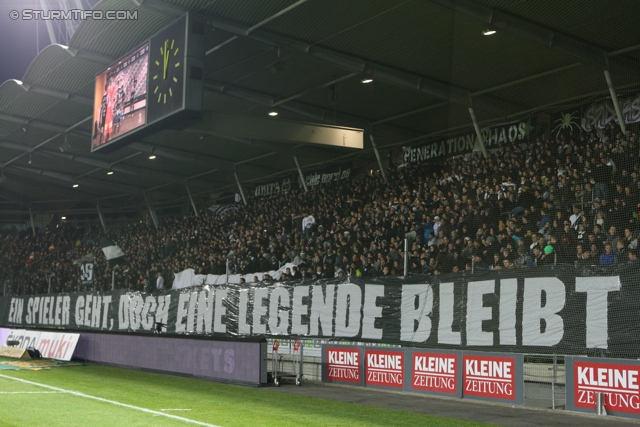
{"x": 435, "y": 372}
{"x": 326, "y": 175}
{"x": 342, "y": 364}
{"x": 557, "y": 309}
{"x": 618, "y": 381}
{"x": 493, "y": 377}
{"x": 384, "y": 368}
{"x": 24, "y": 338}
{"x": 240, "y": 362}
{"x": 322, "y": 176}
{"x": 273, "y": 188}
{"x": 52, "y": 345}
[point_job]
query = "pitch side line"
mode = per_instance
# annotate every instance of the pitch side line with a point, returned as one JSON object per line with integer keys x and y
{"x": 29, "y": 392}
{"x": 113, "y": 402}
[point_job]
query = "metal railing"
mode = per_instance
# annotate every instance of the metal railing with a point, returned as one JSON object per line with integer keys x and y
{"x": 544, "y": 374}
{"x": 544, "y": 381}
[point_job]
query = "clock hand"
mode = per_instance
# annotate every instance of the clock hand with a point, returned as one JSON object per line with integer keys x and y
{"x": 166, "y": 59}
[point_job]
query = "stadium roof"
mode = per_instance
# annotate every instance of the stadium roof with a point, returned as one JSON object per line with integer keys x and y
{"x": 428, "y": 59}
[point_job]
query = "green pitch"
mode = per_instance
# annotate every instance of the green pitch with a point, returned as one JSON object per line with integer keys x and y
{"x": 97, "y": 396}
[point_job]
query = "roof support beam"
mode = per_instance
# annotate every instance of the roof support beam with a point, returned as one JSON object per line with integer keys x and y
{"x": 91, "y": 56}
{"x": 39, "y": 124}
{"x": 183, "y": 156}
{"x": 33, "y": 227}
{"x": 16, "y": 198}
{"x": 193, "y": 205}
{"x": 14, "y": 119}
{"x": 281, "y": 130}
{"x": 42, "y": 90}
{"x": 274, "y": 148}
{"x": 104, "y": 225}
{"x": 161, "y": 6}
{"x": 580, "y": 98}
{"x": 91, "y": 182}
{"x": 552, "y": 39}
{"x": 125, "y": 169}
{"x": 302, "y": 180}
{"x": 377, "y": 153}
{"x": 46, "y": 141}
{"x": 481, "y": 92}
{"x": 187, "y": 157}
{"x": 49, "y": 25}
{"x": 259, "y": 24}
{"x": 616, "y": 103}
{"x": 318, "y": 114}
{"x": 380, "y": 72}
{"x": 288, "y": 171}
{"x": 244, "y": 199}
{"x": 409, "y": 113}
{"x": 322, "y": 86}
{"x": 478, "y": 133}
{"x": 315, "y": 113}
{"x": 28, "y": 182}
{"x": 152, "y": 211}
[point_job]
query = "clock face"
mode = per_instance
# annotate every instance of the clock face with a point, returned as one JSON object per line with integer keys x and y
{"x": 167, "y": 71}
{"x": 168, "y": 74}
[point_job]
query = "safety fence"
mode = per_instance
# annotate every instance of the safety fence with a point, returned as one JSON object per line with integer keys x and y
{"x": 544, "y": 374}
{"x": 544, "y": 381}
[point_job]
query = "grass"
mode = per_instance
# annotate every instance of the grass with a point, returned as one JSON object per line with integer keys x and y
{"x": 206, "y": 402}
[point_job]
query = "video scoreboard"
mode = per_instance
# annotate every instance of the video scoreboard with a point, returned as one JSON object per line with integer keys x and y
{"x": 156, "y": 85}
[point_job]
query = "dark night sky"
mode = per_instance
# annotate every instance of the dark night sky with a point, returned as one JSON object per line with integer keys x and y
{"x": 18, "y": 41}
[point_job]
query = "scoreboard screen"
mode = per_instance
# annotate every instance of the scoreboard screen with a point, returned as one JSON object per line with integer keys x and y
{"x": 156, "y": 86}
{"x": 120, "y": 100}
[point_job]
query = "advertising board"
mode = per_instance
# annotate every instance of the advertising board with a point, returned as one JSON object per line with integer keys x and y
{"x": 434, "y": 372}
{"x": 342, "y": 364}
{"x": 618, "y": 381}
{"x": 493, "y": 377}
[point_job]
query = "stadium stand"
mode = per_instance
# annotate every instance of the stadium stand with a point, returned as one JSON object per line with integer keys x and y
{"x": 558, "y": 199}
{"x": 571, "y": 200}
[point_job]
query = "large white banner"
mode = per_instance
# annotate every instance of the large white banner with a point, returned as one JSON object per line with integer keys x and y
{"x": 188, "y": 277}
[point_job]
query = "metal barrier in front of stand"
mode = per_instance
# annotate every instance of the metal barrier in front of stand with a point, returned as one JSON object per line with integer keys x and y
{"x": 544, "y": 381}
{"x": 600, "y": 402}
{"x": 278, "y": 372}
{"x": 275, "y": 361}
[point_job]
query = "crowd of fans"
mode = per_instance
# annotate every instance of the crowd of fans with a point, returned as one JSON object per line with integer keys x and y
{"x": 573, "y": 199}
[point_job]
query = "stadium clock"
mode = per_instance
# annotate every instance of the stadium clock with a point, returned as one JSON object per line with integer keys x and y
{"x": 167, "y": 71}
